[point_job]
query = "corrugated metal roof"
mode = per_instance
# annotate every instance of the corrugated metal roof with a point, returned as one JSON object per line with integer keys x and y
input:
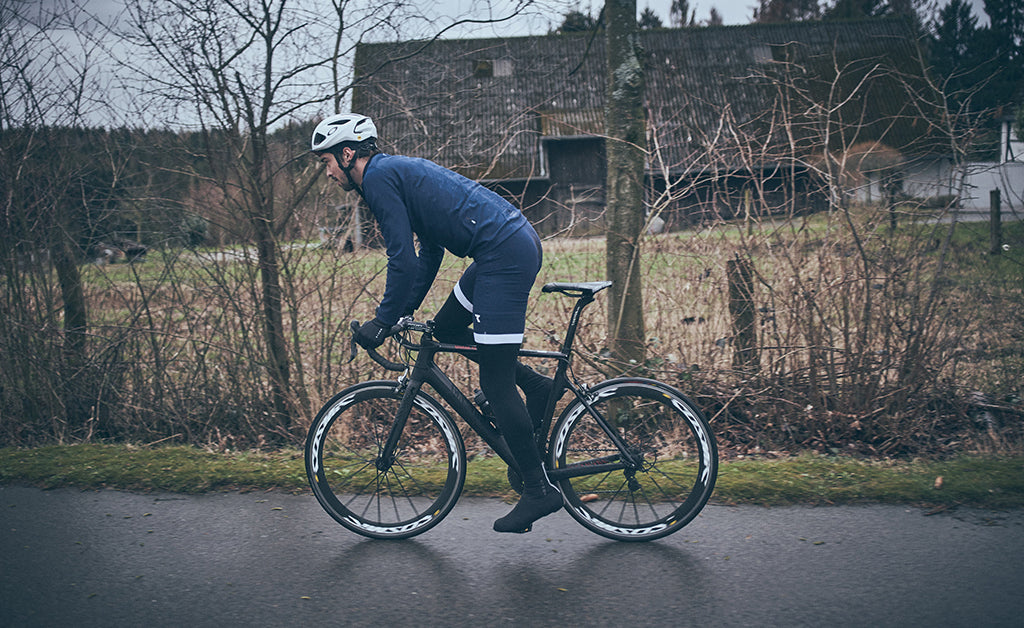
{"x": 571, "y": 122}
{"x": 482, "y": 105}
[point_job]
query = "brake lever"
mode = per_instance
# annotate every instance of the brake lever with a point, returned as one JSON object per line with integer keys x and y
{"x": 404, "y": 324}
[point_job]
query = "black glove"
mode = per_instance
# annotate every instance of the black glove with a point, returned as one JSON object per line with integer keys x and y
{"x": 371, "y": 335}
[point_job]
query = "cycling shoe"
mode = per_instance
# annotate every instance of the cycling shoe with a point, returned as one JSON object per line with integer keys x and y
{"x": 530, "y": 508}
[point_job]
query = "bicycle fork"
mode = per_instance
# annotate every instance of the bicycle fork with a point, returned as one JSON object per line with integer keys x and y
{"x": 410, "y": 384}
{"x": 386, "y": 458}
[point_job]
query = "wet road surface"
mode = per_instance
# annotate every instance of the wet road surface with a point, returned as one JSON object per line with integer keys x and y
{"x": 111, "y": 558}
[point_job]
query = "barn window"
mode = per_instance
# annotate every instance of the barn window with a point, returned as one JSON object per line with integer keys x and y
{"x": 492, "y": 67}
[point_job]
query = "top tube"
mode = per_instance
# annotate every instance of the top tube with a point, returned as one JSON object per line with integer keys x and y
{"x": 583, "y": 291}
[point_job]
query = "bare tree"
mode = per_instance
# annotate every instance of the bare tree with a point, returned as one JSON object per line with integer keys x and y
{"x": 239, "y": 70}
{"x": 626, "y": 141}
{"x": 860, "y": 326}
{"x": 46, "y": 73}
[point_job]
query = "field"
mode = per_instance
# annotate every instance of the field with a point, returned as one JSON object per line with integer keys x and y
{"x": 866, "y": 340}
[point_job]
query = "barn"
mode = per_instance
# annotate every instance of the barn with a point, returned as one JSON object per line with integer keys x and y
{"x": 739, "y": 118}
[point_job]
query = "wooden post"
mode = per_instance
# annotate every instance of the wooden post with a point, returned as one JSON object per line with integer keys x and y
{"x": 748, "y": 202}
{"x": 889, "y": 195}
{"x": 740, "y": 275}
{"x": 995, "y": 228}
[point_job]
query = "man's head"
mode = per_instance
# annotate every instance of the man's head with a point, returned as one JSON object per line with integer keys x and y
{"x": 340, "y": 140}
{"x": 342, "y": 128}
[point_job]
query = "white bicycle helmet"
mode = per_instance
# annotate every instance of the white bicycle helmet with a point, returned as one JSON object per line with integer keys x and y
{"x": 342, "y": 127}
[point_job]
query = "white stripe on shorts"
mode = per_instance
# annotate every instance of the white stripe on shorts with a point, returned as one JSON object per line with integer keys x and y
{"x": 462, "y": 298}
{"x": 498, "y": 339}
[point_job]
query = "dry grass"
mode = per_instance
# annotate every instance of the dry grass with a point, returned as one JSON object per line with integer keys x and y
{"x": 869, "y": 341}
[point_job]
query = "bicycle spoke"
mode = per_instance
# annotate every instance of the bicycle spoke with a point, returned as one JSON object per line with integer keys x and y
{"x": 654, "y": 480}
{"x": 362, "y": 490}
{"x": 665, "y": 490}
{"x": 418, "y": 488}
{"x": 649, "y": 503}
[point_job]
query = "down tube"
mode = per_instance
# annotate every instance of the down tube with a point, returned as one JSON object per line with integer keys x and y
{"x": 465, "y": 409}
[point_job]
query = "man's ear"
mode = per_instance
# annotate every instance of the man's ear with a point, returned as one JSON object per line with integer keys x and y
{"x": 348, "y": 155}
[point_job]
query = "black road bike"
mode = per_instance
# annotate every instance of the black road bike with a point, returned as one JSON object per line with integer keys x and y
{"x": 634, "y": 458}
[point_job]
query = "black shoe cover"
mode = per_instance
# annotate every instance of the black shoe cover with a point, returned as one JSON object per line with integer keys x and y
{"x": 529, "y": 509}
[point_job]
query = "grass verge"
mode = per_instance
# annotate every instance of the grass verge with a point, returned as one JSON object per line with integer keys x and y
{"x": 969, "y": 481}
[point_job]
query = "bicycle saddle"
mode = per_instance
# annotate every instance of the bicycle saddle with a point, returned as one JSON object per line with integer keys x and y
{"x": 582, "y": 289}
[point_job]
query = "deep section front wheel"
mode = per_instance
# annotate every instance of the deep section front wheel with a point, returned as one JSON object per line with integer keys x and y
{"x": 381, "y": 498}
{"x": 674, "y": 451}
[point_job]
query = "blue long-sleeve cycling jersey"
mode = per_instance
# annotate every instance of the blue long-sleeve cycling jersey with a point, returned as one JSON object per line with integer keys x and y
{"x": 444, "y": 210}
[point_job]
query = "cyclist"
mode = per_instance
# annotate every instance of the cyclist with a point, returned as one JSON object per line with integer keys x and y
{"x": 444, "y": 210}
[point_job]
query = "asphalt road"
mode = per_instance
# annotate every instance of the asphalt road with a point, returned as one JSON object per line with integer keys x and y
{"x": 109, "y": 558}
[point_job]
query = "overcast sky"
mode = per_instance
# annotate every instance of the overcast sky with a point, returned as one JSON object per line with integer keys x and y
{"x": 436, "y": 14}
{"x": 732, "y": 11}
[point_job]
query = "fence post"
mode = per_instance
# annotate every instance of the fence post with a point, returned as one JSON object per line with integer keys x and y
{"x": 995, "y": 227}
{"x": 740, "y": 275}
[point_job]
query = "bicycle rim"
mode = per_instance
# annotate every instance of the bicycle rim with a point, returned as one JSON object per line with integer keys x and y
{"x": 399, "y": 500}
{"x": 670, "y": 436}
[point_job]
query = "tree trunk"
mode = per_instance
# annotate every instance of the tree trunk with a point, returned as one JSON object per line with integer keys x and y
{"x": 625, "y": 129}
{"x": 277, "y": 350}
{"x": 76, "y": 323}
{"x": 261, "y": 206}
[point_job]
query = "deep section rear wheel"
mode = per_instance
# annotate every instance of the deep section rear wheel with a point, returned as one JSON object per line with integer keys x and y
{"x": 377, "y": 498}
{"x": 677, "y": 454}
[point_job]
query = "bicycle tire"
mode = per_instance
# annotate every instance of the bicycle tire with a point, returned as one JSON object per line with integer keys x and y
{"x": 679, "y": 460}
{"x": 407, "y": 497}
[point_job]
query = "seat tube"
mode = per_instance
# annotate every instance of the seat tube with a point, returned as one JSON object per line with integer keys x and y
{"x": 574, "y": 321}
{"x": 560, "y": 378}
{"x": 559, "y": 386}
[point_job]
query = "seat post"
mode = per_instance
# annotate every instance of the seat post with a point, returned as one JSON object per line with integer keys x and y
{"x": 570, "y": 333}
{"x": 584, "y": 292}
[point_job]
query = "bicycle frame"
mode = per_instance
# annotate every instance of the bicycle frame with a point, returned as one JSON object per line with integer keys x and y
{"x": 426, "y": 371}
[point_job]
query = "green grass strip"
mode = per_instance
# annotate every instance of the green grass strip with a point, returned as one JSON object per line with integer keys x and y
{"x": 973, "y": 481}
{"x": 986, "y": 482}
